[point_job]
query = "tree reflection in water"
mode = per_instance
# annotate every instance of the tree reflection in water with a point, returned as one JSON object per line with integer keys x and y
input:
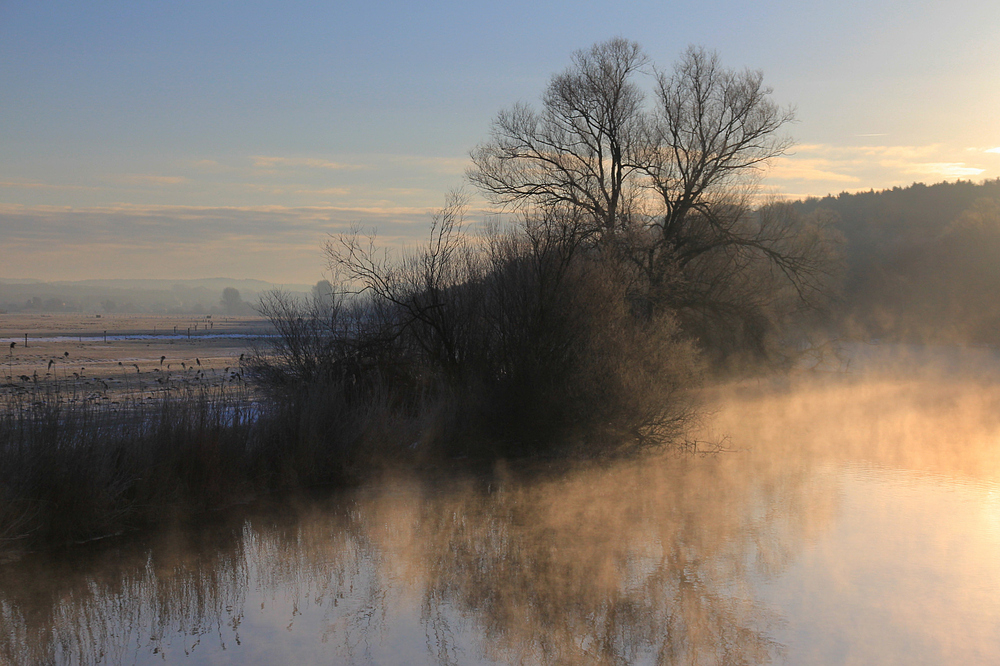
{"x": 659, "y": 559}
{"x": 644, "y": 560}
{"x": 624, "y": 566}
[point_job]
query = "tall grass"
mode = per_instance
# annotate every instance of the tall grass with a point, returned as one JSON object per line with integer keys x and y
{"x": 77, "y": 471}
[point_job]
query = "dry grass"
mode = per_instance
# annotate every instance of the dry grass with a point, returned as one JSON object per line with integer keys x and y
{"x": 68, "y": 358}
{"x": 525, "y": 349}
{"x": 97, "y": 438}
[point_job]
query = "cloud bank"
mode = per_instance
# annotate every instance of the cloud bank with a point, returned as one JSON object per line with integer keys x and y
{"x": 275, "y": 243}
{"x": 821, "y": 169}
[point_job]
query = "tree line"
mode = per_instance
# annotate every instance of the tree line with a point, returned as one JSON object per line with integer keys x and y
{"x": 921, "y": 261}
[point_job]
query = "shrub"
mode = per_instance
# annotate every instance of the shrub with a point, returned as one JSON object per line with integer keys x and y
{"x": 516, "y": 342}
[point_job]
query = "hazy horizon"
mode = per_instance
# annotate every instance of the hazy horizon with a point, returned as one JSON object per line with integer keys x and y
{"x": 131, "y": 282}
{"x": 173, "y": 141}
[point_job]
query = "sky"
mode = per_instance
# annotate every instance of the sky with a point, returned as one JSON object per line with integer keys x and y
{"x": 231, "y": 139}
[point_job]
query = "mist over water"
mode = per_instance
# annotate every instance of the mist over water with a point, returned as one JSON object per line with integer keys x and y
{"x": 851, "y": 517}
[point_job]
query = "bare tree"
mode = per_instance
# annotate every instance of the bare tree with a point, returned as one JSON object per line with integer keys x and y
{"x": 669, "y": 186}
{"x": 519, "y": 328}
{"x": 711, "y": 131}
{"x": 582, "y": 149}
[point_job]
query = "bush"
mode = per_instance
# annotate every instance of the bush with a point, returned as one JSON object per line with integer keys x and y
{"x": 516, "y": 342}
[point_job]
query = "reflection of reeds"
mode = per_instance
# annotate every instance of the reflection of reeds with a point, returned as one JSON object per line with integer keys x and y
{"x": 164, "y": 594}
{"x": 596, "y": 566}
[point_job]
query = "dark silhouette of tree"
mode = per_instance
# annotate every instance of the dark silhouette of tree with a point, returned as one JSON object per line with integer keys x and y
{"x": 583, "y": 150}
{"x": 668, "y": 186}
{"x": 322, "y": 290}
{"x": 324, "y": 299}
{"x": 232, "y": 302}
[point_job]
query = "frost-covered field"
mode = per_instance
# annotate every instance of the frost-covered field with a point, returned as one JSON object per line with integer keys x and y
{"x": 86, "y": 357}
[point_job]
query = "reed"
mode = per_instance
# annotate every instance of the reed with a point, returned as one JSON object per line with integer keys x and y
{"x": 73, "y": 471}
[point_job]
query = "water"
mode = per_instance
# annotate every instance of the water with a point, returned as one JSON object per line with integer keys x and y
{"x": 855, "y": 521}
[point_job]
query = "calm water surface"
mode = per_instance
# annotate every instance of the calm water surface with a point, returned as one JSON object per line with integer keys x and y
{"x": 856, "y": 521}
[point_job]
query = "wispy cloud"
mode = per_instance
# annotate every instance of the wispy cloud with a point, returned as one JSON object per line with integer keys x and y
{"x": 945, "y": 169}
{"x": 866, "y": 166}
{"x": 893, "y": 152}
{"x": 992, "y": 150}
{"x": 277, "y": 243}
{"x": 34, "y": 185}
{"x": 149, "y": 179}
{"x": 326, "y": 191}
{"x": 788, "y": 168}
{"x": 271, "y": 162}
{"x": 192, "y": 225}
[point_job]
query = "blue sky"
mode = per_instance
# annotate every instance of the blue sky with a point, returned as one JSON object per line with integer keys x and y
{"x": 170, "y": 139}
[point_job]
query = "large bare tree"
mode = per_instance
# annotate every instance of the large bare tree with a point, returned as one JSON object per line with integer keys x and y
{"x": 668, "y": 182}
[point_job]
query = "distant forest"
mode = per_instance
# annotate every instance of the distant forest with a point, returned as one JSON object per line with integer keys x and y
{"x": 922, "y": 262}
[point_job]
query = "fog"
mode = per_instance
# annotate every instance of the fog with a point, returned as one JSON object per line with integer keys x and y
{"x": 147, "y": 296}
{"x": 816, "y": 517}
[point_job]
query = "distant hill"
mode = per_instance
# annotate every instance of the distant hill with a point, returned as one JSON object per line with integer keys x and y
{"x": 923, "y": 262}
{"x": 161, "y": 284}
{"x": 185, "y": 296}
